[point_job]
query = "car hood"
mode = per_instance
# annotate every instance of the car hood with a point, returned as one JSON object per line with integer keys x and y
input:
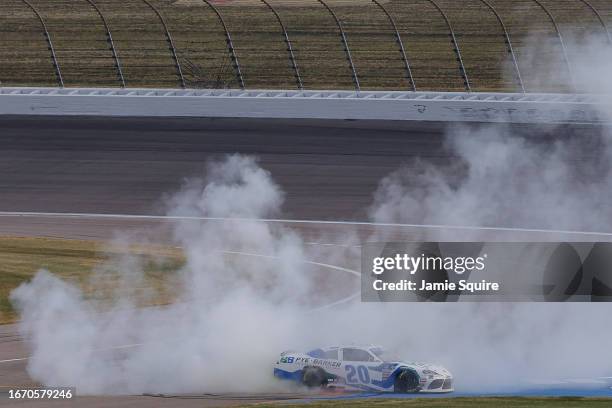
{"x": 420, "y": 367}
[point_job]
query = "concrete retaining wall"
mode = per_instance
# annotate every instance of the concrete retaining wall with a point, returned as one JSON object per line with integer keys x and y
{"x": 410, "y": 106}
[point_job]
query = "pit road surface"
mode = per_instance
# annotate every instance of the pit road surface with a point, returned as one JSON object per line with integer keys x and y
{"x": 328, "y": 170}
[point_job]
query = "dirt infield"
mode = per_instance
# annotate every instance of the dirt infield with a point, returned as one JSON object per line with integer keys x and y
{"x": 259, "y": 55}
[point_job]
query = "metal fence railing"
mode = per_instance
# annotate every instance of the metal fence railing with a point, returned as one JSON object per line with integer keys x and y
{"x": 508, "y": 43}
{"x": 45, "y": 31}
{"x": 294, "y": 65}
{"x": 561, "y": 42}
{"x": 303, "y": 44}
{"x": 177, "y": 63}
{"x": 111, "y": 43}
{"x": 400, "y": 43}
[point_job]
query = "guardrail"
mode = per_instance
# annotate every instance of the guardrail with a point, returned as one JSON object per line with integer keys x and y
{"x": 401, "y": 106}
{"x": 364, "y": 59}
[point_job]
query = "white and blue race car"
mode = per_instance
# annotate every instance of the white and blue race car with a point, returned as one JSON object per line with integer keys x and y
{"x": 363, "y": 368}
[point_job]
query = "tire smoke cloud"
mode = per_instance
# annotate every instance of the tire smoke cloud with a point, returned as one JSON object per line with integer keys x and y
{"x": 236, "y": 311}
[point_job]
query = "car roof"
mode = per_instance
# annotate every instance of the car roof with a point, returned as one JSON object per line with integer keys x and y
{"x": 357, "y": 346}
{"x": 321, "y": 351}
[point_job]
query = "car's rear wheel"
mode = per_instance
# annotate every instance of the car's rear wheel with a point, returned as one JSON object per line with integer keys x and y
{"x": 313, "y": 377}
{"x": 406, "y": 381}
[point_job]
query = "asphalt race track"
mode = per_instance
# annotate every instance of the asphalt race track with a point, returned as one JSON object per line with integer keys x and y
{"x": 328, "y": 169}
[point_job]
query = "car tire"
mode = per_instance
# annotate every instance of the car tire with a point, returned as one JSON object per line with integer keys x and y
{"x": 313, "y": 377}
{"x": 406, "y": 381}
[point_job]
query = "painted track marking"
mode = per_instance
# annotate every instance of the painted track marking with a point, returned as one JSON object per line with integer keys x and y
{"x": 289, "y": 221}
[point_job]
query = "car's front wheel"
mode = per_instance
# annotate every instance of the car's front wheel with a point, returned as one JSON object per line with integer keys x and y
{"x": 406, "y": 381}
{"x": 313, "y": 377}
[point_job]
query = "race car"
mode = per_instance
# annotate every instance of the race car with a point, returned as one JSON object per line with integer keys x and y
{"x": 363, "y": 368}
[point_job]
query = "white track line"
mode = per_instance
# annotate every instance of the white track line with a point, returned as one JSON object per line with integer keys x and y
{"x": 14, "y": 359}
{"x": 324, "y": 265}
{"x": 336, "y": 303}
{"x": 287, "y": 221}
{"x": 284, "y": 221}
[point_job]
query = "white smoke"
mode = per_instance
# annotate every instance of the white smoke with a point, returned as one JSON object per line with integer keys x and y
{"x": 557, "y": 178}
{"x": 235, "y": 310}
{"x": 249, "y": 290}
{"x": 501, "y": 179}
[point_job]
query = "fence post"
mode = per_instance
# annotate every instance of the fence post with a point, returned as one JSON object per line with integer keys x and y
{"x": 230, "y": 45}
{"x": 179, "y": 70}
{"x": 345, "y": 43}
{"x": 294, "y": 65}
{"x": 111, "y": 42}
{"x": 563, "y": 49}
{"x": 58, "y": 72}
{"x": 400, "y": 42}
{"x": 510, "y": 48}
{"x": 600, "y": 18}
{"x": 455, "y": 45}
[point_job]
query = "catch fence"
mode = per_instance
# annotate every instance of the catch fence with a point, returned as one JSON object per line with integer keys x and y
{"x": 414, "y": 45}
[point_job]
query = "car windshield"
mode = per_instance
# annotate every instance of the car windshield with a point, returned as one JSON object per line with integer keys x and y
{"x": 384, "y": 355}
